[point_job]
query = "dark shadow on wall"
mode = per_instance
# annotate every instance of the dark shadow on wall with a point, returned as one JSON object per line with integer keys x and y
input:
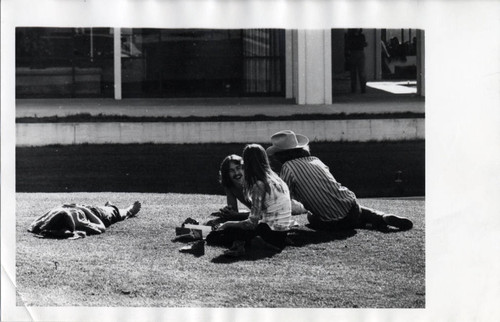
{"x": 371, "y": 169}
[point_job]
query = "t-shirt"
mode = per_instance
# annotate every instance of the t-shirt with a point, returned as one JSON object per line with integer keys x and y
{"x": 276, "y": 208}
{"x": 311, "y": 183}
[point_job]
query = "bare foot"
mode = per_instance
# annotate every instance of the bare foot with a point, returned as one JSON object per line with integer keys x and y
{"x": 133, "y": 209}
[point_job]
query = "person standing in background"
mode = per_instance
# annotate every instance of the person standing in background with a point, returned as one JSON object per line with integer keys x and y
{"x": 355, "y": 43}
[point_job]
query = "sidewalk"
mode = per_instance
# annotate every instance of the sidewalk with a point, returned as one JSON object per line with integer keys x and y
{"x": 369, "y": 103}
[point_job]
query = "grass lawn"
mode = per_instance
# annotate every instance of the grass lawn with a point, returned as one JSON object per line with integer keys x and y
{"x": 135, "y": 263}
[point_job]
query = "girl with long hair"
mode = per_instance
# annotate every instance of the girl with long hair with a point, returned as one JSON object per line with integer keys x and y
{"x": 270, "y": 212}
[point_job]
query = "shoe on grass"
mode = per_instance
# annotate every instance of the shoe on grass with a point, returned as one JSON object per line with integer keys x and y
{"x": 197, "y": 248}
{"x": 192, "y": 235}
{"x": 398, "y": 222}
{"x": 190, "y": 221}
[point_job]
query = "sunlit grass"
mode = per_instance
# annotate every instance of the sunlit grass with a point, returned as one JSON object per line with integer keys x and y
{"x": 135, "y": 263}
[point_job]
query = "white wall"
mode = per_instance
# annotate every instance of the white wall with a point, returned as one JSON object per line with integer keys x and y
{"x": 38, "y": 134}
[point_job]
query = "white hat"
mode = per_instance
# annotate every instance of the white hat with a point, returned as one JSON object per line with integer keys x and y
{"x": 286, "y": 140}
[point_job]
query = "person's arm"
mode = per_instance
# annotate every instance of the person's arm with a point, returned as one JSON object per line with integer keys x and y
{"x": 258, "y": 195}
{"x": 297, "y": 208}
{"x": 232, "y": 202}
{"x": 231, "y": 212}
{"x": 37, "y": 223}
{"x": 94, "y": 224}
{"x": 384, "y": 50}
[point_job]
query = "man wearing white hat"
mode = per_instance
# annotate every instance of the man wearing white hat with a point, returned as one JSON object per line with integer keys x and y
{"x": 332, "y": 205}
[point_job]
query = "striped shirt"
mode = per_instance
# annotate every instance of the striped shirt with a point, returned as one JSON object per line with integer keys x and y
{"x": 311, "y": 183}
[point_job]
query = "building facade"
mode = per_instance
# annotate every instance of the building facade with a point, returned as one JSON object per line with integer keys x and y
{"x": 303, "y": 66}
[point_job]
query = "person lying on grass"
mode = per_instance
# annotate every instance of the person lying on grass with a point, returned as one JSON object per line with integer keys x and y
{"x": 270, "y": 212}
{"x": 333, "y": 206}
{"x": 75, "y": 221}
{"x": 231, "y": 177}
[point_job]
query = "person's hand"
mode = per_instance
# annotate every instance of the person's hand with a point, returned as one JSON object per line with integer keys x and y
{"x": 228, "y": 212}
{"x": 221, "y": 226}
{"x": 298, "y": 208}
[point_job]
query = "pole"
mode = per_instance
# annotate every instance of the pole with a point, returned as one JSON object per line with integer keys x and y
{"x": 117, "y": 59}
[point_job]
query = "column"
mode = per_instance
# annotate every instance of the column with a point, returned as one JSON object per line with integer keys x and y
{"x": 420, "y": 62}
{"x": 289, "y": 58}
{"x": 117, "y": 59}
{"x": 312, "y": 66}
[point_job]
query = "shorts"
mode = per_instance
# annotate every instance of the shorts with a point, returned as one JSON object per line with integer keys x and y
{"x": 108, "y": 214}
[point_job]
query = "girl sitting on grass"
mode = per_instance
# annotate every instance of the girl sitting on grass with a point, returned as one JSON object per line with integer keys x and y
{"x": 231, "y": 177}
{"x": 270, "y": 212}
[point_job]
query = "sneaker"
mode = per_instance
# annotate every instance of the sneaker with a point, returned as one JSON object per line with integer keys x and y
{"x": 399, "y": 222}
{"x": 191, "y": 221}
{"x": 191, "y": 235}
{"x": 214, "y": 222}
{"x": 197, "y": 248}
{"x": 216, "y": 214}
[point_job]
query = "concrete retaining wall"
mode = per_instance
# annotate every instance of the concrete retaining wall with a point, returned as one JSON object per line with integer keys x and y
{"x": 38, "y": 134}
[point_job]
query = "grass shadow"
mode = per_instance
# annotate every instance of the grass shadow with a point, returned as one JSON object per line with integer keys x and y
{"x": 306, "y": 235}
{"x": 250, "y": 255}
{"x": 390, "y": 230}
{"x": 298, "y": 237}
{"x": 302, "y": 237}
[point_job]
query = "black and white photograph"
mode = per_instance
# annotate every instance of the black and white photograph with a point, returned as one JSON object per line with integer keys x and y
{"x": 198, "y": 104}
{"x": 160, "y": 164}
